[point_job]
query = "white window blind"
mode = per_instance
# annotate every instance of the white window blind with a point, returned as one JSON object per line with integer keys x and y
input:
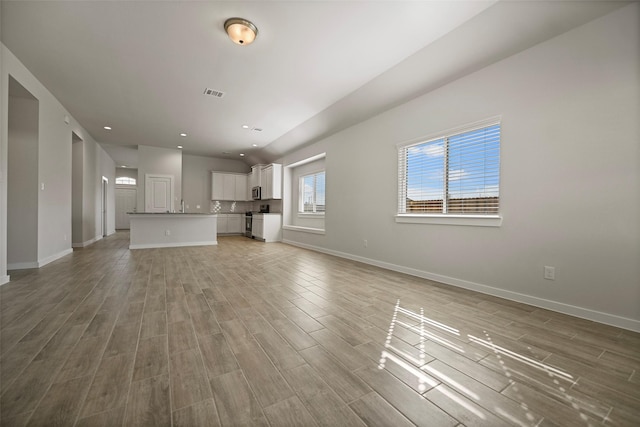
{"x": 312, "y": 193}
{"x": 455, "y": 173}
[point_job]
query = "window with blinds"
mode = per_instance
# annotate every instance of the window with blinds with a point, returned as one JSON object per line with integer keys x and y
{"x": 457, "y": 173}
{"x": 312, "y": 193}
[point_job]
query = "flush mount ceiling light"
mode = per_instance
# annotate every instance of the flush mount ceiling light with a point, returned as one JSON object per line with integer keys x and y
{"x": 107, "y": 128}
{"x": 240, "y": 31}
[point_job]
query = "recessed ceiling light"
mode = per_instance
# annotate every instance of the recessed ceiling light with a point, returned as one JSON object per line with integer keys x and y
{"x": 107, "y": 127}
{"x": 183, "y": 134}
{"x": 241, "y": 154}
{"x": 257, "y": 129}
{"x": 254, "y": 145}
{"x": 179, "y": 146}
{"x": 245, "y": 126}
{"x": 123, "y": 166}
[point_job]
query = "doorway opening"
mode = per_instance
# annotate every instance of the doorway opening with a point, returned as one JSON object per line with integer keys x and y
{"x": 22, "y": 178}
{"x": 77, "y": 161}
{"x": 105, "y": 188}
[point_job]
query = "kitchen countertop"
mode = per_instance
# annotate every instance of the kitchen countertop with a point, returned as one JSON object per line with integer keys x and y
{"x": 170, "y": 213}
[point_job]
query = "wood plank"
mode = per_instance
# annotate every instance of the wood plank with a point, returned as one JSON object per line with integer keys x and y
{"x": 152, "y": 358}
{"x": 290, "y": 412}
{"x": 201, "y": 414}
{"x": 235, "y": 401}
{"x": 264, "y": 378}
{"x": 61, "y": 404}
{"x": 149, "y": 403}
{"x": 346, "y": 385}
{"x": 181, "y": 336}
{"x": 217, "y": 356}
{"x": 377, "y": 412}
{"x": 110, "y": 385}
{"x": 412, "y": 405}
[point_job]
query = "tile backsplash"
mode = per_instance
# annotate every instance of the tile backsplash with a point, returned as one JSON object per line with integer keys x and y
{"x": 225, "y": 206}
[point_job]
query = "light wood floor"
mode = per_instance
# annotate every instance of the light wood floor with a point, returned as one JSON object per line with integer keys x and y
{"x": 248, "y": 333}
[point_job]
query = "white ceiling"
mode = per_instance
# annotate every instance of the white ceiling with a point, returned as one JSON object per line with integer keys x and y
{"x": 316, "y": 67}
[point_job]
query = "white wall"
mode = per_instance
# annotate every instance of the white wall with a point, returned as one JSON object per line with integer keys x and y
{"x": 22, "y": 183}
{"x": 127, "y": 172}
{"x": 163, "y": 161}
{"x": 196, "y": 176}
{"x": 570, "y": 178}
{"x": 54, "y": 167}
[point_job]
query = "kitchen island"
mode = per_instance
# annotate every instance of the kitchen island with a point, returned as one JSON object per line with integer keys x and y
{"x": 168, "y": 230}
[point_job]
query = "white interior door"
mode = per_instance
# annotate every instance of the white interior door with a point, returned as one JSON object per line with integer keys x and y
{"x": 126, "y": 199}
{"x": 158, "y": 193}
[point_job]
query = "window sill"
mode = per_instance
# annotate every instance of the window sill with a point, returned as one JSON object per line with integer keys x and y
{"x": 469, "y": 220}
{"x": 310, "y": 215}
{"x": 303, "y": 229}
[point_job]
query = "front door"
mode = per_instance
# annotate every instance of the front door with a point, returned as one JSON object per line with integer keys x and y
{"x": 125, "y": 202}
{"x": 158, "y": 194}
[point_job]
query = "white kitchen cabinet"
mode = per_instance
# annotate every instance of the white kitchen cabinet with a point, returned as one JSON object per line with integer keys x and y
{"x": 241, "y": 188}
{"x": 235, "y": 223}
{"x": 217, "y": 186}
{"x": 267, "y": 227}
{"x": 228, "y": 186}
{"x": 229, "y": 192}
{"x": 230, "y": 223}
{"x": 272, "y": 181}
{"x": 255, "y": 178}
{"x": 223, "y": 222}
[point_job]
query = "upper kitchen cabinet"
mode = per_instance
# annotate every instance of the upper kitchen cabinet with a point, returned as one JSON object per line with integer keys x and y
{"x": 255, "y": 178}
{"x": 228, "y": 186}
{"x": 272, "y": 181}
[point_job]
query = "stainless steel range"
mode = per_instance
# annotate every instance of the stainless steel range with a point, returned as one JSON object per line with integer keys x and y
{"x": 248, "y": 219}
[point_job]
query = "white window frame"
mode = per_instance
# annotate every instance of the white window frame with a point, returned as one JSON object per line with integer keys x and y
{"x": 126, "y": 183}
{"x": 484, "y": 220}
{"x": 301, "y": 210}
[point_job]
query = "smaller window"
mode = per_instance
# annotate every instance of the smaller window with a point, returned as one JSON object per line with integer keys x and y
{"x": 125, "y": 180}
{"x": 312, "y": 193}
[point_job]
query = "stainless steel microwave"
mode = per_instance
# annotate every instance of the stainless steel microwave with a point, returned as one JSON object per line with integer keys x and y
{"x": 256, "y": 193}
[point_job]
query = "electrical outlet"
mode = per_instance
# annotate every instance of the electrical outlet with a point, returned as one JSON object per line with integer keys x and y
{"x": 365, "y": 243}
{"x": 167, "y": 232}
{"x": 549, "y": 272}
{"x": 65, "y": 237}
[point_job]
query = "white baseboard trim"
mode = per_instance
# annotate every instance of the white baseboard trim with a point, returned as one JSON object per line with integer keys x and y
{"x": 584, "y": 313}
{"x": 173, "y": 245}
{"x": 22, "y": 265}
{"x": 54, "y": 257}
{"x": 4, "y": 279}
{"x": 304, "y": 229}
{"x": 40, "y": 263}
{"x": 87, "y": 243}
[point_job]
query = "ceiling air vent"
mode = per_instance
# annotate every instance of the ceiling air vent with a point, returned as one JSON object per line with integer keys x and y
{"x": 213, "y": 92}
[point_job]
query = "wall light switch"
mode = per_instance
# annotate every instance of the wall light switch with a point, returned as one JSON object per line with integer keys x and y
{"x": 549, "y": 272}
{"x": 42, "y": 186}
{"x": 197, "y": 206}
